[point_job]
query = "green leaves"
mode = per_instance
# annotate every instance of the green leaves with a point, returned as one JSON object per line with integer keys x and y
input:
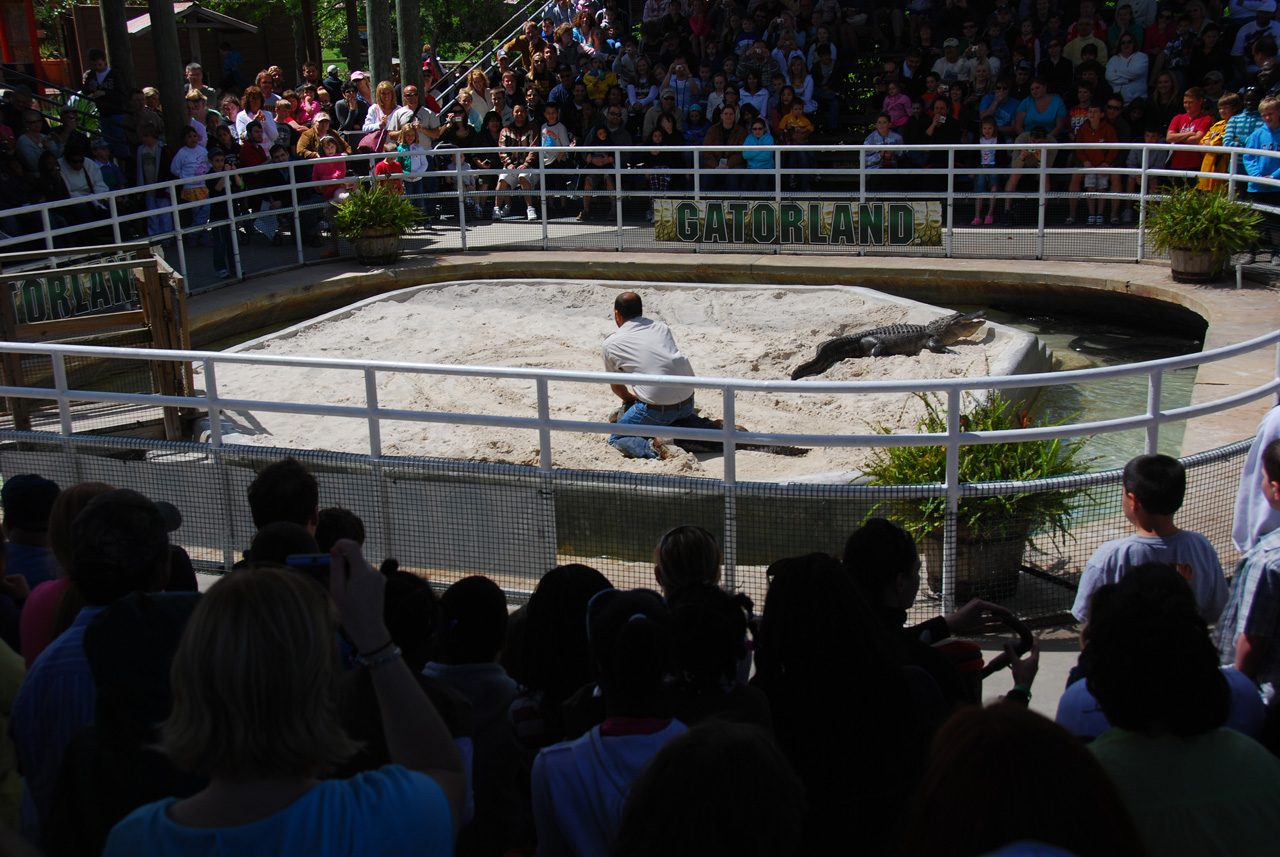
{"x": 982, "y": 517}
{"x": 373, "y": 206}
{"x": 1192, "y": 219}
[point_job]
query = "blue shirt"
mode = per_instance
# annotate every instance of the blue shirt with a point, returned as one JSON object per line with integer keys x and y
{"x": 391, "y": 811}
{"x": 55, "y": 701}
{"x": 1004, "y": 114}
{"x": 1263, "y": 165}
{"x": 1049, "y": 118}
{"x": 36, "y": 564}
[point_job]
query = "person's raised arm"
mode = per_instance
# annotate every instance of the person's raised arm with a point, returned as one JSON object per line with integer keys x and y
{"x": 416, "y": 736}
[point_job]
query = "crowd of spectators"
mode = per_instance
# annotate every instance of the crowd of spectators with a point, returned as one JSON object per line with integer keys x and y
{"x": 688, "y": 72}
{"x": 309, "y": 703}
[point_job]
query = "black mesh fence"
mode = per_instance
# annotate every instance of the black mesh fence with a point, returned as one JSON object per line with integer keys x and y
{"x": 448, "y": 519}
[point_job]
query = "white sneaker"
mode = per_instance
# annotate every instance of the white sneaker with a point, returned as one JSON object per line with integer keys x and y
{"x": 530, "y": 213}
{"x": 1126, "y": 216}
{"x": 497, "y": 213}
{"x": 323, "y": 226}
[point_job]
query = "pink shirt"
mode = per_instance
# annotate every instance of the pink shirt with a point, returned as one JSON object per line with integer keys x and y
{"x": 35, "y": 628}
{"x": 899, "y": 109}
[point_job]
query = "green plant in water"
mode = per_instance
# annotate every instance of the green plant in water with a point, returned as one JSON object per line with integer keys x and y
{"x": 1192, "y": 219}
{"x": 372, "y": 207}
{"x": 993, "y": 517}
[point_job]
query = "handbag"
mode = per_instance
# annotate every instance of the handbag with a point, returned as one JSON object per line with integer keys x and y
{"x": 372, "y": 142}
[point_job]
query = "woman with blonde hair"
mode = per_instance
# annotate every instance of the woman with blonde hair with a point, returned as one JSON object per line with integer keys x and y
{"x": 254, "y": 708}
{"x": 384, "y": 104}
{"x": 479, "y": 86}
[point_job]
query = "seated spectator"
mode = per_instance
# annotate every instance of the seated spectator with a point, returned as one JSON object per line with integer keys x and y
{"x": 281, "y": 623}
{"x": 553, "y": 660}
{"x": 797, "y": 130}
{"x": 1027, "y": 160}
{"x": 472, "y": 635}
{"x": 255, "y": 110}
{"x": 710, "y": 629}
{"x": 1127, "y": 69}
{"x": 1078, "y": 709}
{"x": 882, "y": 158}
{"x": 309, "y": 142}
{"x": 1157, "y": 159}
{"x": 598, "y": 159}
{"x": 518, "y": 165}
{"x": 813, "y": 627}
{"x": 119, "y": 546}
{"x": 975, "y": 758}
{"x": 1191, "y": 785}
{"x": 726, "y": 132}
{"x": 28, "y": 501}
{"x": 579, "y": 786}
{"x": 718, "y": 790}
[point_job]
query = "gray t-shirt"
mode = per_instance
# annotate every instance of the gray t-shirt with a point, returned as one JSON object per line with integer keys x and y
{"x": 1190, "y": 553}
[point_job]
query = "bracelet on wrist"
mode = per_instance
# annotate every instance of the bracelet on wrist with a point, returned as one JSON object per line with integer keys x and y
{"x": 1024, "y": 690}
{"x": 372, "y": 663}
{"x": 388, "y": 644}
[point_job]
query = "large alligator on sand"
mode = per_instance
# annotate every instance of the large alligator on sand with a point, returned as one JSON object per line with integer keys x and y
{"x": 908, "y": 339}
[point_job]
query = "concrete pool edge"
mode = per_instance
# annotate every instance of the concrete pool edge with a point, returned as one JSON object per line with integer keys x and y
{"x": 1231, "y": 315}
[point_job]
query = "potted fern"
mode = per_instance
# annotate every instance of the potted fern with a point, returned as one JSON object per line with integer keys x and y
{"x": 992, "y": 530}
{"x": 374, "y": 216}
{"x": 1200, "y": 230}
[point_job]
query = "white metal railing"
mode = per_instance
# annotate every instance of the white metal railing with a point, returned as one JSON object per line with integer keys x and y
{"x": 952, "y": 390}
{"x": 304, "y": 202}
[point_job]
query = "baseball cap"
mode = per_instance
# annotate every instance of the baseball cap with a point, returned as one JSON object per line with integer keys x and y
{"x": 99, "y": 143}
{"x": 1215, "y": 75}
{"x": 324, "y": 116}
{"x": 695, "y": 107}
{"x": 1039, "y": 131}
{"x": 951, "y": 43}
{"x": 333, "y": 69}
{"x": 668, "y": 92}
{"x": 358, "y": 75}
{"x": 502, "y": 53}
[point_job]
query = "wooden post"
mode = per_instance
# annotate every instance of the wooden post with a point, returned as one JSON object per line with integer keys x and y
{"x": 11, "y": 364}
{"x": 115, "y": 32}
{"x": 354, "y": 57}
{"x": 409, "y": 27}
{"x": 169, "y": 70}
{"x": 381, "y": 44}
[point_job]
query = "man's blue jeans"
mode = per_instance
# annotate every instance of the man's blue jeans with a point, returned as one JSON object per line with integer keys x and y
{"x": 640, "y": 415}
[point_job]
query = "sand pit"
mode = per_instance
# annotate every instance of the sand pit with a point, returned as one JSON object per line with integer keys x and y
{"x": 753, "y": 332}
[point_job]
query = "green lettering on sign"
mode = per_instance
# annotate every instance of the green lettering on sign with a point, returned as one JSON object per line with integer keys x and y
{"x": 715, "y": 230}
{"x": 764, "y": 223}
{"x": 791, "y": 223}
{"x": 871, "y": 223}
{"x": 842, "y": 230}
{"x": 902, "y": 223}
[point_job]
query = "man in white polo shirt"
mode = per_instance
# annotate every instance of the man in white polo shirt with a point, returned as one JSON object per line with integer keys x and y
{"x": 646, "y": 347}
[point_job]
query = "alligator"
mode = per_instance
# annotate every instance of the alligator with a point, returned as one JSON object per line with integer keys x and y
{"x": 908, "y": 339}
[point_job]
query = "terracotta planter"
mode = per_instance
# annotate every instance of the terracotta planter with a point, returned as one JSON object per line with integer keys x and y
{"x": 985, "y": 567}
{"x": 378, "y": 246}
{"x": 1195, "y": 266}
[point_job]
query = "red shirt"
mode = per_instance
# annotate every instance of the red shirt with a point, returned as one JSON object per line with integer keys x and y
{"x": 1181, "y": 124}
{"x": 393, "y": 168}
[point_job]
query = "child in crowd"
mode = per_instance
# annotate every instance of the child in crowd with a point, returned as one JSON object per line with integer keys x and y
{"x": 797, "y": 130}
{"x": 1095, "y": 130}
{"x": 1157, "y": 159}
{"x": 986, "y": 180}
{"x": 192, "y": 162}
{"x": 112, "y": 176}
{"x": 224, "y": 262}
{"x": 388, "y": 169}
{"x": 897, "y": 105}
{"x": 415, "y": 163}
{"x": 1154, "y": 486}
{"x": 153, "y": 166}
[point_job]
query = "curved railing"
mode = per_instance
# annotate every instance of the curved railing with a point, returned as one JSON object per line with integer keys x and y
{"x": 951, "y": 392}
{"x": 50, "y": 226}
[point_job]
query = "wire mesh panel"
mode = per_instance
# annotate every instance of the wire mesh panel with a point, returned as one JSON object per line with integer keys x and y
{"x": 448, "y": 519}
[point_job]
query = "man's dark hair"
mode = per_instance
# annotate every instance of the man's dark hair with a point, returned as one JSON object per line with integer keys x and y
{"x": 276, "y": 146}
{"x": 1271, "y": 460}
{"x": 473, "y": 628}
{"x": 120, "y": 545}
{"x": 628, "y": 305}
{"x": 96, "y": 54}
{"x": 1149, "y": 659}
{"x": 276, "y": 542}
{"x": 338, "y": 523}
{"x": 284, "y": 491}
{"x": 1158, "y": 482}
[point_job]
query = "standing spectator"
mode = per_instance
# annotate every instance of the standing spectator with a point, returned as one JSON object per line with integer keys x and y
{"x": 1265, "y": 166}
{"x": 231, "y": 62}
{"x": 1188, "y": 129}
{"x": 191, "y": 162}
{"x": 153, "y": 166}
{"x": 1228, "y": 106}
{"x": 351, "y": 112}
{"x": 195, "y": 80}
{"x": 1260, "y": 27}
{"x": 224, "y": 263}
{"x": 518, "y": 166}
{"x": 987, "y": 180}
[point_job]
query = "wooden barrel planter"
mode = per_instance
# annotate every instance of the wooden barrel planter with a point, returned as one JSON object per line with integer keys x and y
{"x": 378, "y": 246}
{"x": 1195, "y": 266}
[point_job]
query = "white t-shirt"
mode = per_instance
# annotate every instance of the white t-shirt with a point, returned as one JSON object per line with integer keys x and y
{"x": 643, "y": 346}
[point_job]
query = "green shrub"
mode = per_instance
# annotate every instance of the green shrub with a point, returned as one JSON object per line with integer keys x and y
{"x": 373, "y": 206}
{"x": 1192, "y": 219}
{"x": 983, "y": 517}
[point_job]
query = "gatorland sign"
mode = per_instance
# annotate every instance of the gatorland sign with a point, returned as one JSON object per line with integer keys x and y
{"x": 887, "y": 224}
